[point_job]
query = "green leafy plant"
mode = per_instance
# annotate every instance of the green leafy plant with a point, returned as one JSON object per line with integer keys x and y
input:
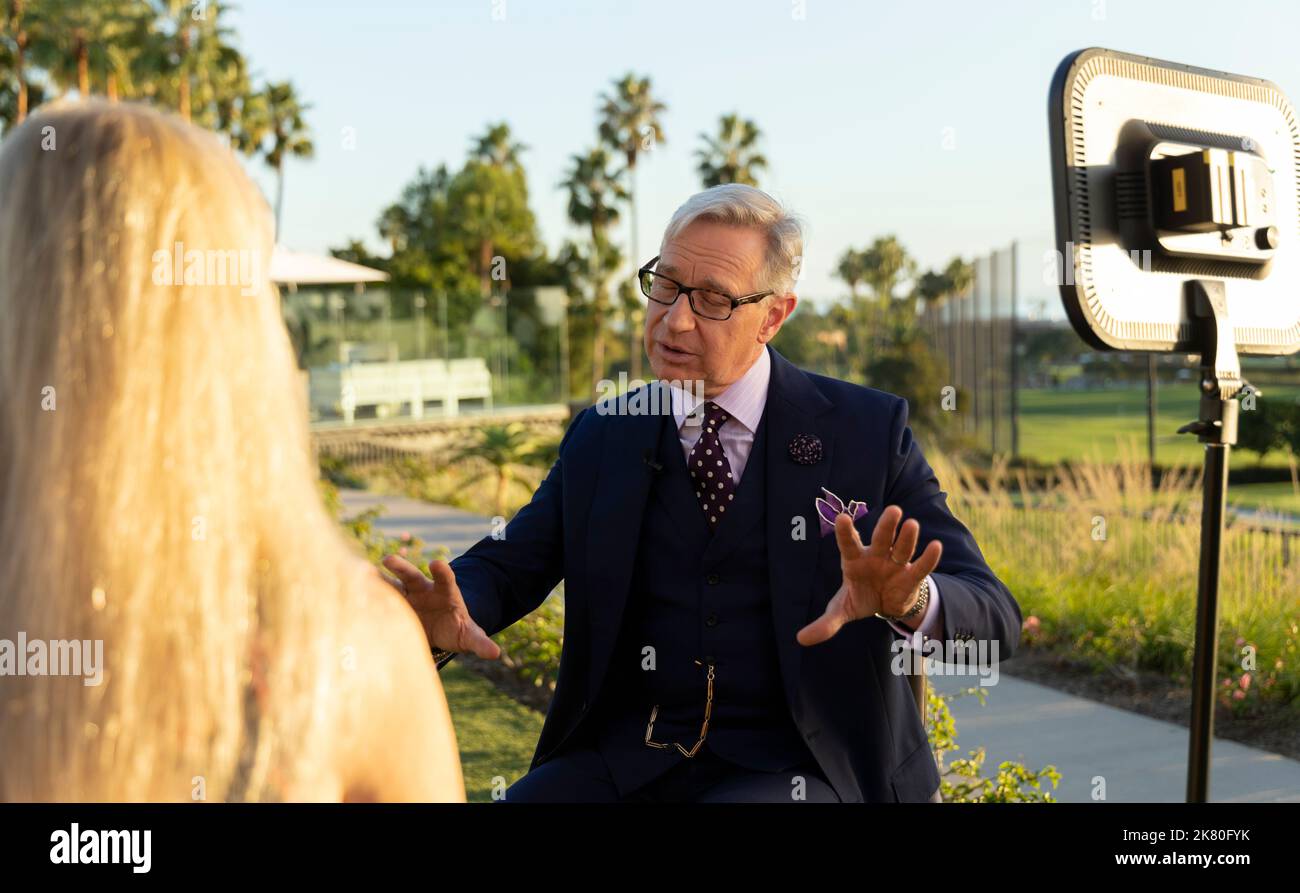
{"x": 530, "y": 648}
{"x": 963, "y": 780}
{"x": 503, "y": 448}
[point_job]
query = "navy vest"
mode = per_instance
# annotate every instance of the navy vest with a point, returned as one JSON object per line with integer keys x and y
{"x": 697, "y": 595}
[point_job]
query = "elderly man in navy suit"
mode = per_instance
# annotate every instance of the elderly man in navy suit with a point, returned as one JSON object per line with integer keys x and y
{"x": 739, "y": 542}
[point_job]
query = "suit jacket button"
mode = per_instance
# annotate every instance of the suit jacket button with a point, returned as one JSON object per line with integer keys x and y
{"x": 711, "y": 620}
{"x": 711, "y": 579}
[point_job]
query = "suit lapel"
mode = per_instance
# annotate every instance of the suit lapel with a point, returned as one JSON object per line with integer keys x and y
{"x": 622, "y": 486}
{"x": 794, "y": 406}
{"x": 673, "y": 487}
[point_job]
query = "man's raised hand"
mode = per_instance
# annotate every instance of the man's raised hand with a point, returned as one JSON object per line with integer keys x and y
{"x": 440, "y": 607}
{"x": 879, "y": 578}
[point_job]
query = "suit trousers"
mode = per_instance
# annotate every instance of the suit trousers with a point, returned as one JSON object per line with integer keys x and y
{"x": 580, "y": 775}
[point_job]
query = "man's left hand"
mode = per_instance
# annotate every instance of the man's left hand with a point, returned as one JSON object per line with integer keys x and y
{"x": 879, "y": 578}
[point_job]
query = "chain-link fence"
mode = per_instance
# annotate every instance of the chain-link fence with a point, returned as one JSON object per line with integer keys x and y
{"x": 976, "y": 331}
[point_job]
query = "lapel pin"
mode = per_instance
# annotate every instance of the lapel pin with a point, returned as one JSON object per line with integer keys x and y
{"x": 806, "y": 449}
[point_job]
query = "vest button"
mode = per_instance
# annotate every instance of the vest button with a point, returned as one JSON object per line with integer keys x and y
{"x": 711, "y": 579}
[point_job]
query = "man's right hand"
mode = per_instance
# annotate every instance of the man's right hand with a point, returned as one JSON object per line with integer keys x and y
{"x": 440, "y": 607}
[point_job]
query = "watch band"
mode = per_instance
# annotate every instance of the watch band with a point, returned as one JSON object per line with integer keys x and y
{"x": 922, "y": 599}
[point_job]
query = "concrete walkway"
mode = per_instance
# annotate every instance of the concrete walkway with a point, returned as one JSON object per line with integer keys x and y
{"x": 437, "y": 525}
{"x": 1141, "y": 759}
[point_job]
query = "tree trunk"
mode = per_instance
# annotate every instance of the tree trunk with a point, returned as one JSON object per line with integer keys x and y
{"x": 598, "y": 303}
{"x": 83, "y": 67}
{"x": 112, "y": 87}
{"x": 279, "y": 197}
{"x": 183, "y": 97}
{"x": 19, "y": 70}
{"x": 20, "y": 59}
{"x": 634, "y": 335}
{"x": 598, "y": 340}
{"x": 485, "y": 267}
{"x": 503, "y": 483}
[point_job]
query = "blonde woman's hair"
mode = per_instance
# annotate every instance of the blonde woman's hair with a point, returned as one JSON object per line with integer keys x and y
{"x": 156, "y": 479}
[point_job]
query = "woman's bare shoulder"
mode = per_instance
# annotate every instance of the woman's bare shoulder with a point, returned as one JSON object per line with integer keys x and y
{"x": 388, "y": 631}
{"x": 403, "y": 741}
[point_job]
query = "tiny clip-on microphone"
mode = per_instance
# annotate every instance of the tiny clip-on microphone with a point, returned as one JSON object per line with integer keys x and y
{"x": 648, "y": 458}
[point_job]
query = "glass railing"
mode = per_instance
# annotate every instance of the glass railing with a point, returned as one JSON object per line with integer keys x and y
{"x": 384, "y": 354}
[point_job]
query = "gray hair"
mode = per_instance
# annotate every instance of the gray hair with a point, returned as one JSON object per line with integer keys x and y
{"x": 735, "y": 204}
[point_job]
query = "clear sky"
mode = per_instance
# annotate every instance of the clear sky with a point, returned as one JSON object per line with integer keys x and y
{"x": 927, "y": 120}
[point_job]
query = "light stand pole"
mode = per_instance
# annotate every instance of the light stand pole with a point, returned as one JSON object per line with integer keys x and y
{"x": 1220, "y": 383}
{"x": 1151, "y": 415}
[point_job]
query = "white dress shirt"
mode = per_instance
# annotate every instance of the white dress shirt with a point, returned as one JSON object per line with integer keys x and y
{"x": 744, "y": 400}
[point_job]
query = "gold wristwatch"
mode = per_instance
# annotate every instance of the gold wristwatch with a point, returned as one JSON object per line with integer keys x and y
{"x": 922, "y": 599}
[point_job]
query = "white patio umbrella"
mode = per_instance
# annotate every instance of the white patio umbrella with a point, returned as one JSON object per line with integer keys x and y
{"x": 294, "y": 268}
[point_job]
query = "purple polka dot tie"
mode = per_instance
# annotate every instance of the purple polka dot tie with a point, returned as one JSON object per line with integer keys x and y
{"x": 715, "y": 488}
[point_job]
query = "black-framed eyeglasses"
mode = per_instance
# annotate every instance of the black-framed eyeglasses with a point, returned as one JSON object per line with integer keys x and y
{"x": 705, "y": 302}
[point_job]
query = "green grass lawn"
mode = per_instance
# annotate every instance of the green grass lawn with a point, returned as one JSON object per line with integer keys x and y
{"x": 496, "y": 734}
{"x": 1056, "y": 425}
{"x": 1277, "y": 496}
{"x": 1059, "y": 425}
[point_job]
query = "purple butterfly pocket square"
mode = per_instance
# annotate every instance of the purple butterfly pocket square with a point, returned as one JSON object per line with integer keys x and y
{"x": 832, "y": 506}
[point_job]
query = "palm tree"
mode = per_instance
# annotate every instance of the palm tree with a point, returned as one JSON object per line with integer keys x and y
{"x": 90, "y": 47}
{"x": 222, "y": 84}
{"x": 122, "y": 39}
{"x": 851, "y": 270}
{"x": 594, "y": 193}
{"x": 503, "y": 448}
{"x": 170, "y": 59}
{"x": 394, "y": 223}
{"x": 277, "y": 115}
{"x": 884, "y": 264}
{"x": 937, "y": 288}
{"x": 495, "y": 147}
{"x": 960, "y": 275}
{"x": 930, "y": 287}
{"x": 19, "y": 39}
{"x": 630, "y": 124}
{"x": 114, "y": 56}
{"x": 74, "y": 28}
{"x": 732, "y": 156}
{"x": 187, "y": 61}
{"x": 499, "y": 154}
{"x": 251, "y": 125}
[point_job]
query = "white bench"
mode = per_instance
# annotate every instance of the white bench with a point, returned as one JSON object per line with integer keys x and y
{"x": 341, "y": 388}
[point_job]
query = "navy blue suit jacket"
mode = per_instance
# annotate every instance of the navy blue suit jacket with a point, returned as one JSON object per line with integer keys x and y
{"x": 857, "y": 716}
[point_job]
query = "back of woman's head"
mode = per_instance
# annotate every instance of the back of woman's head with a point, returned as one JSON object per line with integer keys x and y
{"x": 157, "y": 493}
